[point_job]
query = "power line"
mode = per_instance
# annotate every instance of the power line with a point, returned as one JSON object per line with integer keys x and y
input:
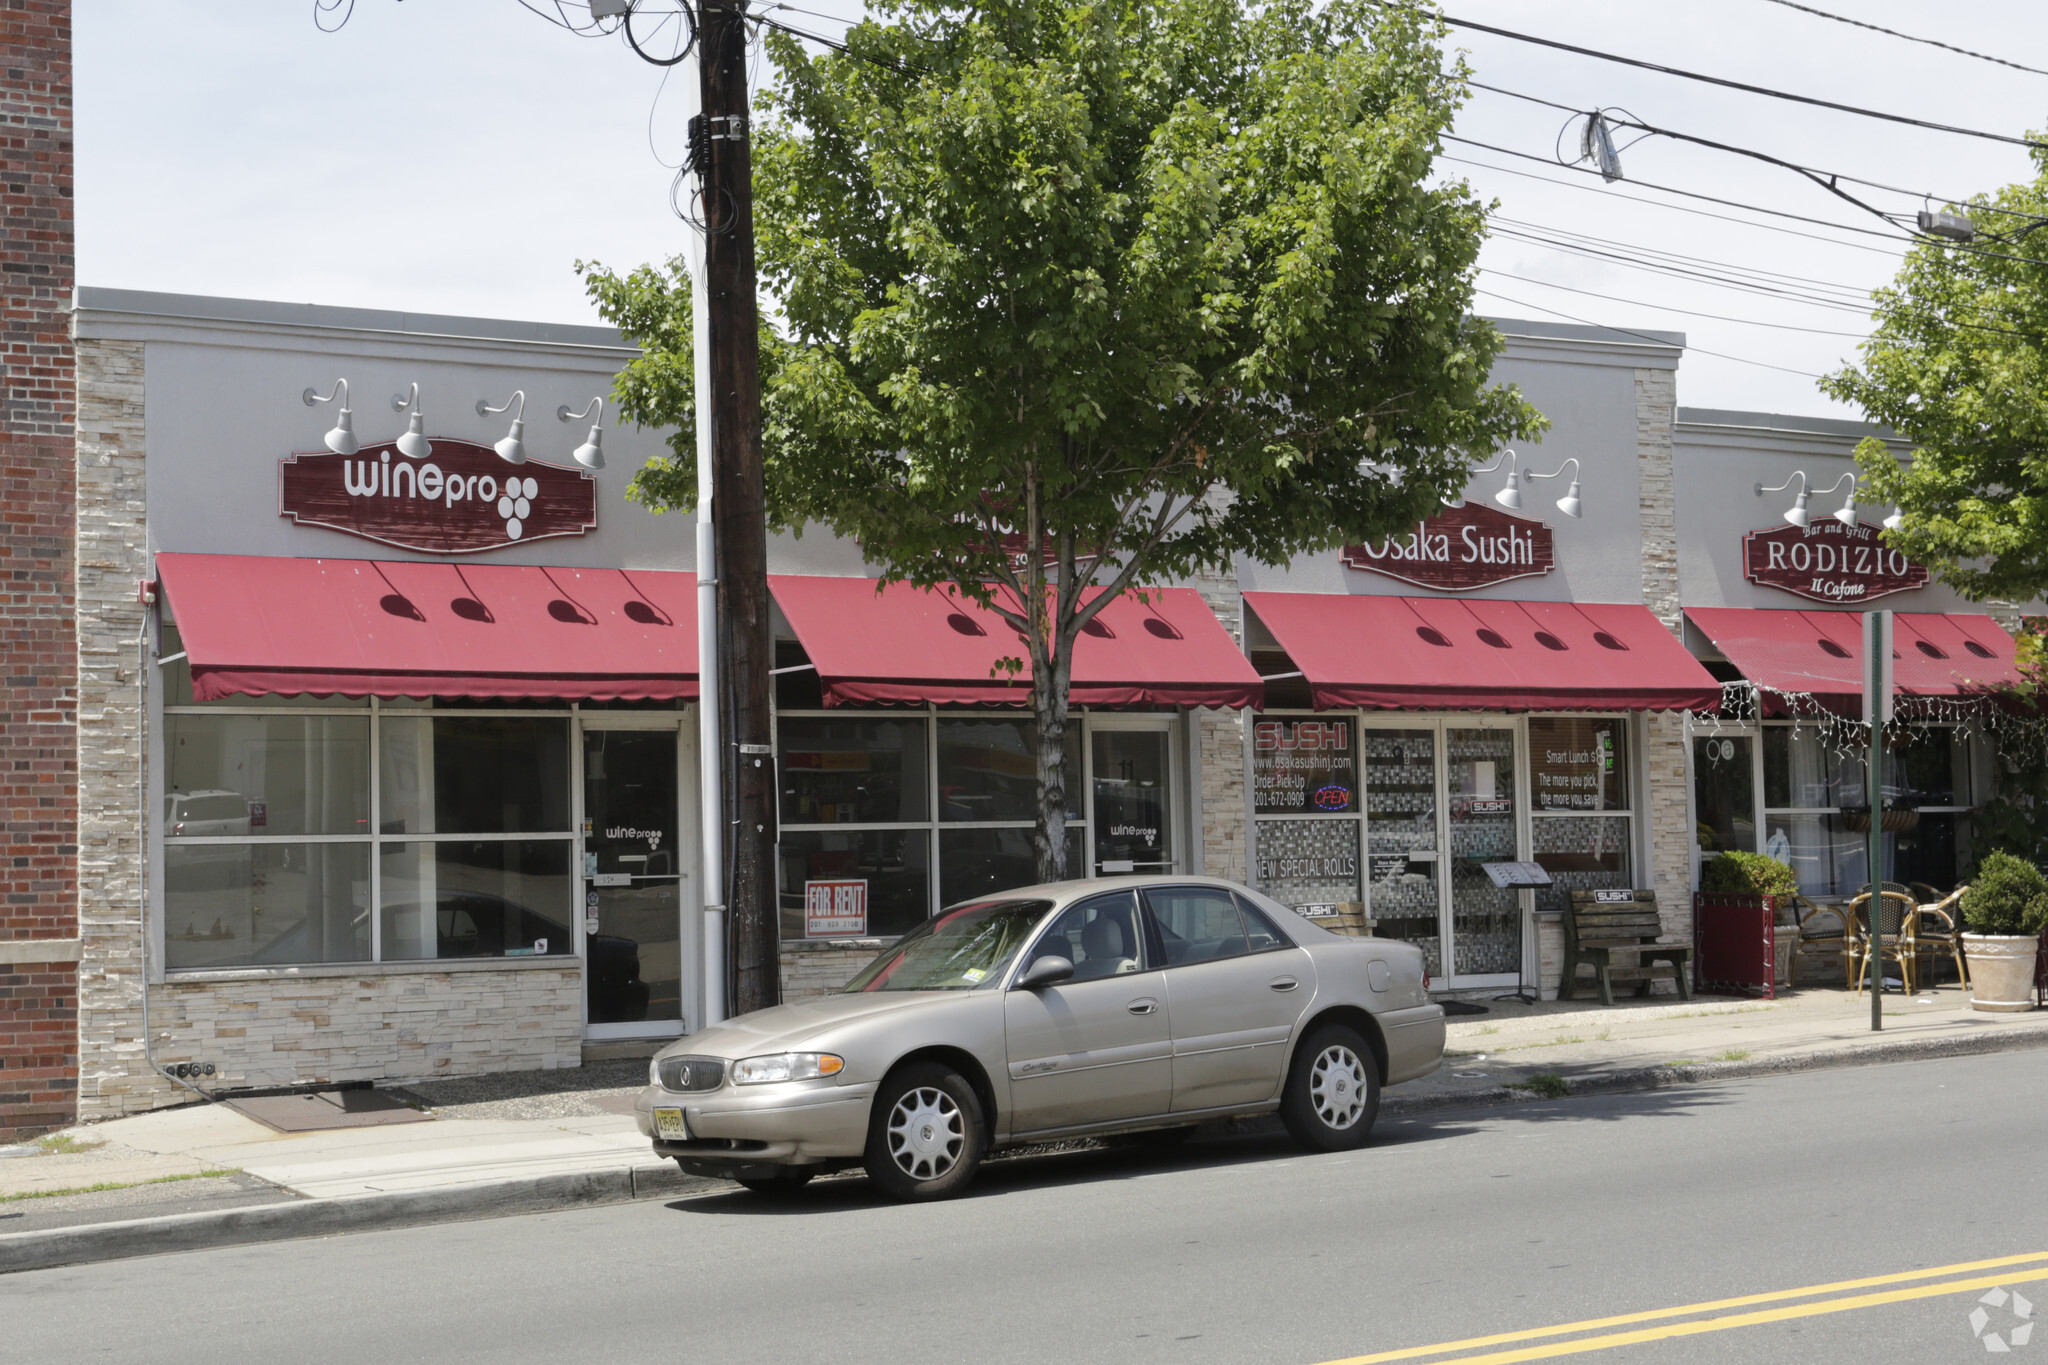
{"x": 1675, "y": 208}
{"x": 1894, "y": 33}
{"x": 1860, "y": 291}
{"x": 1661, "y": 341}
{"x": 1697, "y": 277}
{"x": 1744, "y": 86}
{"x": 1671, "y": 308}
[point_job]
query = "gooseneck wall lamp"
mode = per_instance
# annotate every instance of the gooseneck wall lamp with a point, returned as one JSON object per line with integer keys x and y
{"x": 591, "y": 453}
{"x": 1513, "y": 490}
{"x": 512, "y": 449}
{"x": 413, "y": 444}
{"x": 342, "y": 439}
{"x": 1798, "y": 515}
{"x": 1569, "y": 504}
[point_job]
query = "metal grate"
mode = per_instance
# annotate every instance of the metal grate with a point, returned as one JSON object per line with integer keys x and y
{"x": 326, "y": 1109}
{"x": 692, "y": 1073}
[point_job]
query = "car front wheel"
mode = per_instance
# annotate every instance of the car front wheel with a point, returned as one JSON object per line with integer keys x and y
{"x": 1333, "y": 1090}
{"x": 925, "y": 1133}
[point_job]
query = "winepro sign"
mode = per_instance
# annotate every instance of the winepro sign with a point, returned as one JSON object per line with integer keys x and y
{"x": 1828, "y": 562}
{"x": 1460, "y": 547}
{"x": 460, "y": 499}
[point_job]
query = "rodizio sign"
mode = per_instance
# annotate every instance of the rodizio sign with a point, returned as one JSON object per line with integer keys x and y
{"x": 1461, "y": 547}
{"x": 458, "y": 500}
{"x": 1828, "y": 562}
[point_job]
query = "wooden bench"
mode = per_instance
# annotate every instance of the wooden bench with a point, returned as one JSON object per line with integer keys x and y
{"x": 1594, "y": 931}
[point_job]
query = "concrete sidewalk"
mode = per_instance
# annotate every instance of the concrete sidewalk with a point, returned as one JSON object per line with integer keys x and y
{"x": 537, "y": 1139}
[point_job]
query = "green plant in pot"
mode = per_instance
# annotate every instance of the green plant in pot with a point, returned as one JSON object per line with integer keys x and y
{"x": 1757, "y": 874}
{"x": 2004, "y": 910}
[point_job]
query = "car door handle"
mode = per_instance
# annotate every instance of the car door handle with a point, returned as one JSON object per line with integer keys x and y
{"x": 1283, "y": 983}
{"x": 1144, "y": 1006}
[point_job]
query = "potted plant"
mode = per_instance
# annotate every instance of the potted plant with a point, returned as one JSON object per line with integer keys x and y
{"x": 2004, "y": 910}
{"x": 1763, "y": 881}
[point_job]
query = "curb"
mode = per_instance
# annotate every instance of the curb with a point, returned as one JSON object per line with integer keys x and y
{"x": 1635, "y": 1079}
{"x": 53, "y": 1247}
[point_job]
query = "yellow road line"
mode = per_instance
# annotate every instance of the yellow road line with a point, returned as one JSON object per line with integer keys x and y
{"x": 1747, "y": 1300}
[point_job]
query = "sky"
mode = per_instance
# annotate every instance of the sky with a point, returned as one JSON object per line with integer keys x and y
{"x": 460, "y": 156}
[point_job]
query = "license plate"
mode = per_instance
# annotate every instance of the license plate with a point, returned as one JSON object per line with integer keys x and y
{"x": 669, "y": 1126}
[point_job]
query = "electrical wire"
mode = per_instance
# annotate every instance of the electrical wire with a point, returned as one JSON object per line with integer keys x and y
{"x": 1674, "y": 208}
{"x": 1660, "y": 341}
{"x": 323, "y": 8}
{"x": 1744, "y": 86}
{"x": 1670, "y": 308}
{"x": 1789, "y": 295}
{"x": 1860, "y": 291}
{"x": 1894, "y": 33}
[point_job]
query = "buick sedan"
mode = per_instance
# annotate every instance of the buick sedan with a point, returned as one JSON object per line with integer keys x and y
{"x": 1124, "y": 1007}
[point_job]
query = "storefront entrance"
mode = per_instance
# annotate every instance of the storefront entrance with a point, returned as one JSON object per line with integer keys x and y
{"x": 635, "y": 881}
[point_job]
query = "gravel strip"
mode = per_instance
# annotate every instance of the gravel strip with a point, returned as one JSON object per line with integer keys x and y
{"x": 559, "y": 1094}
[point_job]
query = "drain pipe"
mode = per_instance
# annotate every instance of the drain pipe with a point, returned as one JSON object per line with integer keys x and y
{"x": 710, "y": 743}
{"x": 143, "y": 672}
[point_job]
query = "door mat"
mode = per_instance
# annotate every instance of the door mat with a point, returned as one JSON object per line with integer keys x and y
{"x": 326, "y": 1109}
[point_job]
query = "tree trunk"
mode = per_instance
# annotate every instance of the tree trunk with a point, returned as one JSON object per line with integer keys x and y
{"x": 1049, "y": 691}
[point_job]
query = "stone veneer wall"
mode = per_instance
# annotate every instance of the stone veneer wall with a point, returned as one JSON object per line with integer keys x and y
{"x": 1665, "y": 804}
{"x": 372, "y": 1026}
{"x": 1656, "y": 412}
{"x": 113, "y": 556}
{"x": 1226, "y": 816}
{"x": 814, "y": 968}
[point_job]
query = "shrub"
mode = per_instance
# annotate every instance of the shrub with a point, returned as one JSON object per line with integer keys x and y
{"x": 1748, "y": 874}
{"x": 2009, "y": 896}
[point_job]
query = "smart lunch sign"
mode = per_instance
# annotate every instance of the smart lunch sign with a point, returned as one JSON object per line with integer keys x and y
{"x": 458, "y": 500}
{"x": 1828, "y": 562}
{"x": 1460, "y": 547}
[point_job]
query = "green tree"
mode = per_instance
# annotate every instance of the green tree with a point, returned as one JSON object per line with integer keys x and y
{"x": 1958, "y": 366}
{"x": 1150, "y": 285}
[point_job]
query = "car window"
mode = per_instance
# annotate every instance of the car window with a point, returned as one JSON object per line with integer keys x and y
{"x": 1265, "y": 936}
{"x": 968, "y": 947}
{"x": 1196, "y": 923}
{"x": 1100, "y": 937}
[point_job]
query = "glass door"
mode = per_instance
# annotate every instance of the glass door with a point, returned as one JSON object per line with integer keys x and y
{"x": 1131, "y": 812}
{"x": 1402, "y": 844}
{"x": 632, "y": 879}
{"x": 1724, "y": 794}
{"x": 1486, "y": 920}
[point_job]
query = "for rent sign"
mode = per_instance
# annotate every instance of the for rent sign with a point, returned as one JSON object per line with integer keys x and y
{"x": 460, "y": 499}
{"x": 1828, "y": 562}
{"x": 1461, "y": 547}
{"x": 836, "y": 909}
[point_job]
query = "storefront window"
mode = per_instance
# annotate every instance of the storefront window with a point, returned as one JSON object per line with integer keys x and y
{"x": 266, "y": 775}
{"x": 1817, "y": 813}
{"x": 476, "y": 898}
{"x": 269, "y": 904}
{"x": 988, "y": 769}
{"x": 1578, "y": 765}
{"x": 981, "y": 862}
{"x": 1302, "y": 765}
{"x": 853, "y": 770}
{"x": 473, "y": 775}
{"x": 854, "y": 883}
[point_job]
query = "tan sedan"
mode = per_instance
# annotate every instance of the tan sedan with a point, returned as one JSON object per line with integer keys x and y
{"x": 1112, "y": 1007}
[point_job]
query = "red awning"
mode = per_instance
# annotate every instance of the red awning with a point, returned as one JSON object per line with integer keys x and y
{"x": 392, "y": 628}
{"x": 1439, "y": 653}
{"x": 905, "y": 644}
{"x": 1934, "y": 654}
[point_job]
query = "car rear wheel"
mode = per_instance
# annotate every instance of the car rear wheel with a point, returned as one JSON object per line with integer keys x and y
{"x": 1333, "y": 1090}
{"x": 925, "y": 1133}
{"x": 782, "y": 1182}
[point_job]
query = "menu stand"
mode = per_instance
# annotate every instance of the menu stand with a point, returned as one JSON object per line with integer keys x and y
{"x": 1517, "y": 875}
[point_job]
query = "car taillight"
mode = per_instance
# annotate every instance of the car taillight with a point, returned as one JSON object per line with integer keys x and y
{"x": 1425, "y": 978}
{"x": 178, "y": 828}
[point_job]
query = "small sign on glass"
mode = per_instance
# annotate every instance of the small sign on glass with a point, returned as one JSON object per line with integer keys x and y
{"x": 836, "y": 909}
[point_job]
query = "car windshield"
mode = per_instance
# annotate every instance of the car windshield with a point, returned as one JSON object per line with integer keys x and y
{"x": 965, "y": 948}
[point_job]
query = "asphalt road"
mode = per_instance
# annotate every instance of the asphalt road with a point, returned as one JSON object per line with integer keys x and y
{"x": 1452, "y": 1227}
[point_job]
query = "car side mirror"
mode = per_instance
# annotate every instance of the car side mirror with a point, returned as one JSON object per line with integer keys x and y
{"x": 1049, "y": 970}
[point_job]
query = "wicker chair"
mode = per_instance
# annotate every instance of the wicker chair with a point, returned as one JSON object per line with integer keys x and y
{"x": 1823, "y": 926}
{"x": 1896, "y": 916}
{"x": 1938, "y": 931}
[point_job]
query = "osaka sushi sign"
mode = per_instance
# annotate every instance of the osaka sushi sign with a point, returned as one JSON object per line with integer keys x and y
{"x": 1472, "y": 546}
{"x": 1828, "y": 562}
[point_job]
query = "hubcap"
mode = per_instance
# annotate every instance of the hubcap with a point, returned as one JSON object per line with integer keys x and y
{"x": 926, "y": 1133}
{"x": 1337, "y": 1087}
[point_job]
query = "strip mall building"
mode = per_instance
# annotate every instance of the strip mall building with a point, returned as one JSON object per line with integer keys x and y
{"x": 386, "y": 762}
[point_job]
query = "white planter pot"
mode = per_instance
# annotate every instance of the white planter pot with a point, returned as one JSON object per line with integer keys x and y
{"x": 2001, "y": 970}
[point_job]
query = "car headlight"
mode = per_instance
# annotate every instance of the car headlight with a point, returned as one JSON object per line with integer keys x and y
{"x": 786, "y": 1066}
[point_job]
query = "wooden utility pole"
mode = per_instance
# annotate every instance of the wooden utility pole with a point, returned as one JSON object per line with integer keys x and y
{"x": 738, "y": 504}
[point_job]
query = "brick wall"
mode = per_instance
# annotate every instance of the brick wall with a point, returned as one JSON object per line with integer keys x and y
{"x": 38, "y": 758}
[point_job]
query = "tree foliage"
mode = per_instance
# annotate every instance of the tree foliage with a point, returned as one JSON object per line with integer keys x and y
{"x": 1958, "y": 366}
{"x": 1154, "y": 285}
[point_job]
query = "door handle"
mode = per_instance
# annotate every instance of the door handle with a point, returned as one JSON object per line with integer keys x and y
{"x": 1144, "y": 1006}
{"x": 1283, "y": 983}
